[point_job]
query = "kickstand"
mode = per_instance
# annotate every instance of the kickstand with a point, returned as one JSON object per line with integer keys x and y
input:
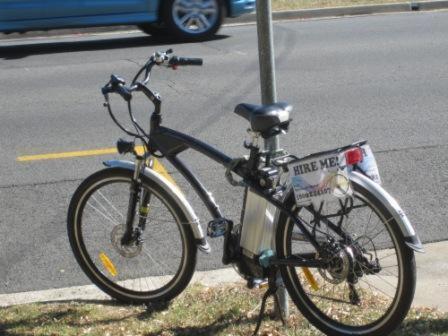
{"x": 272, "y": 290}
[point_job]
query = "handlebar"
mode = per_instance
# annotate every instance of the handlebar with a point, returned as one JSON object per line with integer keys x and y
{"x": 175, "y": 61}
{"x": 118, "y": 85}
{"x": 124, "y": 92}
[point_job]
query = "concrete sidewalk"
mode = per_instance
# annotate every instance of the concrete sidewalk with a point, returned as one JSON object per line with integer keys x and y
{"x": 313, "y": 13}
{"x": 432, "y": 283}
{"x": 432, "y": 276}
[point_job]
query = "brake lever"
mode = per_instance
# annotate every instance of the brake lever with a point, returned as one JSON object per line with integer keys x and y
{"x": 115, "y": 80}
{"x": 106, "y": 89}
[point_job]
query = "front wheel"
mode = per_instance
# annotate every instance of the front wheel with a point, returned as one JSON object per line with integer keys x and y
{"x": 369, "y": 283}
{"x": 155, "y": 266}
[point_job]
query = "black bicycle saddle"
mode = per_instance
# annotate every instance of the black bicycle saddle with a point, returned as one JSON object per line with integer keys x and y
{"x": 266, "y": 119}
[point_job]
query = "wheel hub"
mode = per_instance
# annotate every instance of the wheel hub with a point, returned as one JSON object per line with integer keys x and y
{"x": 340, "y": 265}
{"x": 128, "y": 251}
{"x": 195, "y": 17}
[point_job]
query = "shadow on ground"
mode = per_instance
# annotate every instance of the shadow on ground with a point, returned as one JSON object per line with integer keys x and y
{"x": 423, "y": 327}
{"x": 219, "y": 325}
{"x": 47, "y": 320}
{"x": 22, "y": 50}
{"x": 69, "y": 316}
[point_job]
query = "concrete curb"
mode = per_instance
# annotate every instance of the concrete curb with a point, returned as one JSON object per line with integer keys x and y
{"x": 278, "y": 16}
{"x": 91, "y": 292}
{"x": 431, "y": 291}
{"x": 349, "y": 11}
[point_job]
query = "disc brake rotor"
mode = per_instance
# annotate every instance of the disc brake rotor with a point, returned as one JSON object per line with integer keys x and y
{"x": 127, "y": 251}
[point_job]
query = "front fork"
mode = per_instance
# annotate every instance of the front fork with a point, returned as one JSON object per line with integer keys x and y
{"x": 136, "y": 194}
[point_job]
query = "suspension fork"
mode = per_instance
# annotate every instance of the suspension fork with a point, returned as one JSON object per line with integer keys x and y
{"x": 134, "y": 192}
{"x": 144, "y": 203}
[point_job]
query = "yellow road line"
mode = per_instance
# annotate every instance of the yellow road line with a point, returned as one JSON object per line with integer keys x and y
{"x": 65, "y": 155}
{"x": 158, "y": 167}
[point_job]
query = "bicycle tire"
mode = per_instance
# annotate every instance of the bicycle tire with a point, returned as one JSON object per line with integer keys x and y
{"x": 331, "y": 318}
{"x": 100, "y": 255}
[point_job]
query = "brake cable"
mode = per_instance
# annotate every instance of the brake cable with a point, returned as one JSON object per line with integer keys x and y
{"x": 109, "y": 109}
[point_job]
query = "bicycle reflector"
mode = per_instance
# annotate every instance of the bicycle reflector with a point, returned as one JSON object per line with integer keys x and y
{"x": 108, "y": 264}
{"x": 353, "y": 156}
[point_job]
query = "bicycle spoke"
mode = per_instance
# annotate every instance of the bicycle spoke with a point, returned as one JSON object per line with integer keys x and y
{"x": 103, "y": 214}
{"x": 387, "y": 256}
{"x": 376, "y": 288}
{"x": 111, "y": 205}
{"x": 390, "y": 266}
{"x": 102, "y": 207}
{"x": 386, "y": 282}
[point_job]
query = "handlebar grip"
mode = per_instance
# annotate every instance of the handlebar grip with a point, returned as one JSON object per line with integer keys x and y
{"x": 106, "y": 89}
{"x": 185, "y": 61}
{"x": 116, "y": 85}
{"x": 123, "y": 91}
{"x": 120, "y": 89}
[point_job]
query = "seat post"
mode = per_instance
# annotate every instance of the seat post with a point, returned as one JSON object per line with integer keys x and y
{"x": 272, "y": 145}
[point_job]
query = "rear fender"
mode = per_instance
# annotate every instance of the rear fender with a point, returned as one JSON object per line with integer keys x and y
{"x": 411, "y": 238}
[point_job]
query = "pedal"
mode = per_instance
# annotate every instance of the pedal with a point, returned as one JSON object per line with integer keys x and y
{"x": 217, "y": 227}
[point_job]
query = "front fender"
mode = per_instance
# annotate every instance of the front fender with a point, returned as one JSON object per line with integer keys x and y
{"x": 411, "y": 237}
{"x": 175, "y": 193}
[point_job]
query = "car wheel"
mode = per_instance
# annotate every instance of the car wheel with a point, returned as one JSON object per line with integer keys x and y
{"x": 193, "y": 19}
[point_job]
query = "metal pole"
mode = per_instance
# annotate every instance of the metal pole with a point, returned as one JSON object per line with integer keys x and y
{"x": 267, "y": 62}
{"x": 269, "y": 96}
{"x": 266, "y": 52}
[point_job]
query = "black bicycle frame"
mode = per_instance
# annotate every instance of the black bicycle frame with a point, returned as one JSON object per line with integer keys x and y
{"x": 170, "y": 143}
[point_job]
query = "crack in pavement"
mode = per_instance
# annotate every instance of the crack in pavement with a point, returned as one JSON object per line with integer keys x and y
{"x": 409, "y": 148}
{"x": 40, "y": 183}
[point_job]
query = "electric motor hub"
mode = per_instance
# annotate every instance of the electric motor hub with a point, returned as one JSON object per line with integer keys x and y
{"x": 340, "y": 261}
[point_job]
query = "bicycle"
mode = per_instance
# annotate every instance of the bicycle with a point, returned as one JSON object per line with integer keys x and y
{"x": 338, "y": 239}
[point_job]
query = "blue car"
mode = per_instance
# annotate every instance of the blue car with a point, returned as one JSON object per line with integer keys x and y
{"x": 183, "y": 19}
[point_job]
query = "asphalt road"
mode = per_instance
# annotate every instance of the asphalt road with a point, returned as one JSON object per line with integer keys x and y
{"x": 383, "y": 78}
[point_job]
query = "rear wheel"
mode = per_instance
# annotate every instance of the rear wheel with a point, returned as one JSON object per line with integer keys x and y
{"x": 368, "y": 286}
{"x": 154, "y": 268}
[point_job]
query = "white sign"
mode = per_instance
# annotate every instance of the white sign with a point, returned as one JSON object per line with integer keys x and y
{"x": 368, "y": 164}
{"x": 320, "y": 178}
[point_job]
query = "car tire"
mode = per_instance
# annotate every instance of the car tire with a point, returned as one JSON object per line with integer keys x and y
{"x": 193, "y": 21}
{"x": 156, "y": 30}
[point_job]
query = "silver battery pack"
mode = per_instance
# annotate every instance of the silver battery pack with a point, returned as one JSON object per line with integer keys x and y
{"x": 258, "y": 232}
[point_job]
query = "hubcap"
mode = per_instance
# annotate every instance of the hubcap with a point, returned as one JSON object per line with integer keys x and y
{"x": 195, "y": 16}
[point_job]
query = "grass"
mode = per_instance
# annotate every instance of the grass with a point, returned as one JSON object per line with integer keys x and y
{"x": 198, "y": 311}
{"x": 278, "y": 5}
